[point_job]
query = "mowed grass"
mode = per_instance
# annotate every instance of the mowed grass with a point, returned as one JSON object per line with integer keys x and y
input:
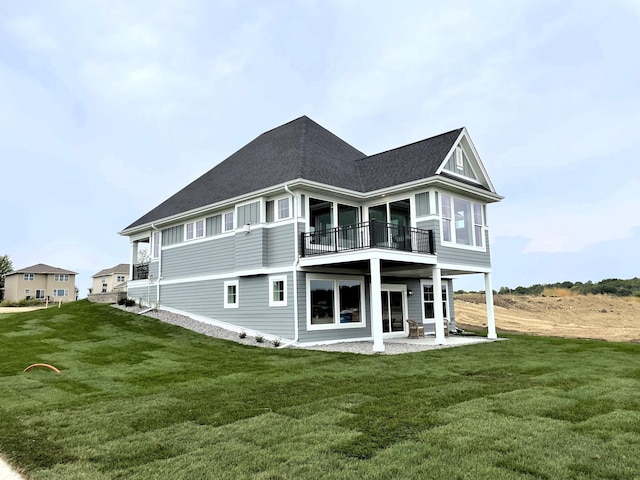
{"x": 139, "y": 399}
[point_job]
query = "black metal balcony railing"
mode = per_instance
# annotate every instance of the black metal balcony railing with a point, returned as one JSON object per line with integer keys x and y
{"x": 372, "y": 234}
{"x": 141, "y": 271}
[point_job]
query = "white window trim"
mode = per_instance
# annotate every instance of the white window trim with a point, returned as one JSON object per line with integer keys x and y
{"x": 27, "y": 291}
{"x": 228, "y": 284}
{"x": 195, "y": 231}
{"x": 28, "y": 277}
{"x": 276, "y": 209}
{"x": 61, "y": 277}
{"x": 453, "y": 242}
{"x": 445, "y": 286}
{"x": 336, "y": 278}
{"x": 272, "y": 280}
{"x": 56, "y": 290}
{"x": 224, "y": 221}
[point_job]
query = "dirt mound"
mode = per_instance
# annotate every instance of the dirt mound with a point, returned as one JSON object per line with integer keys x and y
{"x": 580, "y": 316}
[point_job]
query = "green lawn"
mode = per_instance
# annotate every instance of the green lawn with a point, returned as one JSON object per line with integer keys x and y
{"x": 139, "y": 399}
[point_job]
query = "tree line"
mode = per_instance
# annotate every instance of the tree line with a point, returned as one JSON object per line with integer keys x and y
{"x": 608, "y": 286}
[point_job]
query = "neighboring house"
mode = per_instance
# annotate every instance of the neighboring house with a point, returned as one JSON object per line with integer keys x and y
{"x": 40, "y": 282}
{"x": 299, "y": 235}
{"x": 112, "y": 279}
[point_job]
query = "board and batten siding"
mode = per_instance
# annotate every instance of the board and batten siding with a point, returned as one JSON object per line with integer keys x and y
{"x": 206, "y": 298}
{"x": 172, "y": 235}
{"x": 454, "y": 255}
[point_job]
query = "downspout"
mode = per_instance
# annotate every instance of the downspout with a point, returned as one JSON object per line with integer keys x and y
{"x": 294, "y": 267}
{"x": 159, "y": 265}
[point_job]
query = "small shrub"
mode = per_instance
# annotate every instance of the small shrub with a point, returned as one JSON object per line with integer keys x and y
{"x": 277, "y": 342}
{"x": 121, "y": 301}
{"x": 259, "y": 339}
{"x": 129, "y": 302}
{"x": 242, "y": 334}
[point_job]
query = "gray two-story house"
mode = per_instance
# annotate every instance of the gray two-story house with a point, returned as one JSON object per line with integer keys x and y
{"x": 300, "y": 236}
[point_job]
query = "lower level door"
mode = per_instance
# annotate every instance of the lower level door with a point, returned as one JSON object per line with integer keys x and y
{"x": 393, "y": 310}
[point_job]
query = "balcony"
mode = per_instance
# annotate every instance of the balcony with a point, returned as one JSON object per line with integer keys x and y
{"x": 372, "y": 234}
{"x": 141, "y": 271}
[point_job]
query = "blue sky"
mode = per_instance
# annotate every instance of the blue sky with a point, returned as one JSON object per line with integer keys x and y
{"x": 109, "y": 107}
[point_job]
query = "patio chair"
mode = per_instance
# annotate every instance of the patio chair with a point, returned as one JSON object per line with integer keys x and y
{"x": 415, "y": 329}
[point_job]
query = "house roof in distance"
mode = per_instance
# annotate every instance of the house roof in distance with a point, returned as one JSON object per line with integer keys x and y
{"x": 120, "y": 268}
{"x": 302, "y": 149}
{"x": 41, "y": 268}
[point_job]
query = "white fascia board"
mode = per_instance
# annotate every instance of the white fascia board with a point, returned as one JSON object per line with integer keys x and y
{"x": 475, "y": 153}
{"x": 450, "y": 152}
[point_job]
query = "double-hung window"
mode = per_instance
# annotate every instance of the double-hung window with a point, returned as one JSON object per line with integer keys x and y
{"x": 192, "y": 231}
{"x": 283, "y": 208}
{"x": 59, "y": 292}
{"x": 28, "y": 277}
{"x": 60, "y": 277}
{"x": 231, "y": 292}
{"x": 228, "y": 222}
{"x": 120, "y": 278}
{"x": 278, "y": 291}
{"x": 462, "y": 221}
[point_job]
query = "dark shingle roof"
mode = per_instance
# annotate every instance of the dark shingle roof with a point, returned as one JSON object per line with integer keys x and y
{"x": 43, "y": 269}
{"x": 302, "y": 149}
{"x": 120, "y": 268}
{"x": 406, "y": 164}
{"x": 298, "y": 149}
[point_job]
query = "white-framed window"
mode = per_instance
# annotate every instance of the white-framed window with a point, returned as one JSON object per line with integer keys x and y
{"x": 462, "y": 221}
{"x": 120, "y": 278}
{"x": 27, "y": 291}
{"x": 28, "y": 277}
{"x": 428, "y": 302}
{"x": 40, "y": 294}
{"x": 60, "y": 277}
{"x": 459, "y": 158}
{"x": 228, "y": 224}
{"x": 104, "y": 288}
{"x": 231, "y": 291}
{"x": 192, "y": 230}
{"x": 278, "y": 291}
{"x": 60, "y": 292}
{"x": 335, "y": 302}
{"x": 283, "y": 208}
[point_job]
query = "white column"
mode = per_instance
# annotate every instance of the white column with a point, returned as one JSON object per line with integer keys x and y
{"x": 134, "y": 258}
{"x": 376, "y": 305}
{"x": 491, "y": 321}
{"x": 437, "y": 306}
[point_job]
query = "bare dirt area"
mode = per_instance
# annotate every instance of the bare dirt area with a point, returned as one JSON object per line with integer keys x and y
{"x": 581, "y": 316}
{"x": 18, "y": 310}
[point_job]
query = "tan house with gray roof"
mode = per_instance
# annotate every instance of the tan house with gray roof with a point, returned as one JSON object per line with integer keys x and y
{"x": 112, "y": 279}
{"x": 40, "y": 282}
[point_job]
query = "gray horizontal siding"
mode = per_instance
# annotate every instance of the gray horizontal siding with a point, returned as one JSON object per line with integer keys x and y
{"x": 249, "y": 248}
{"x": 206, "y": 298}
{"x": 142, "y": 294}
{"x": 199, "y": 258}
{"x": 154, "y": 266}
{"x": 280, "y": 246}
{"x": 458, "y": 256}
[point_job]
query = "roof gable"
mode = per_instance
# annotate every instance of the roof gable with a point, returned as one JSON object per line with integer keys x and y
{"x": 463, "y": 163}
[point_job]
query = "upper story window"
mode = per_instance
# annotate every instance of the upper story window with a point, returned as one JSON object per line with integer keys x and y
{"x": 283, "y": 208}
{"x": 193, "y": 230}
{"x": 61, "y": 277}
{"x": 462, "y": 221}
{"x": 228, "y": 222}
{"x": 459, "y": 159}
{"x": 120, "y": 278}
{"x": 28, "y": 277}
